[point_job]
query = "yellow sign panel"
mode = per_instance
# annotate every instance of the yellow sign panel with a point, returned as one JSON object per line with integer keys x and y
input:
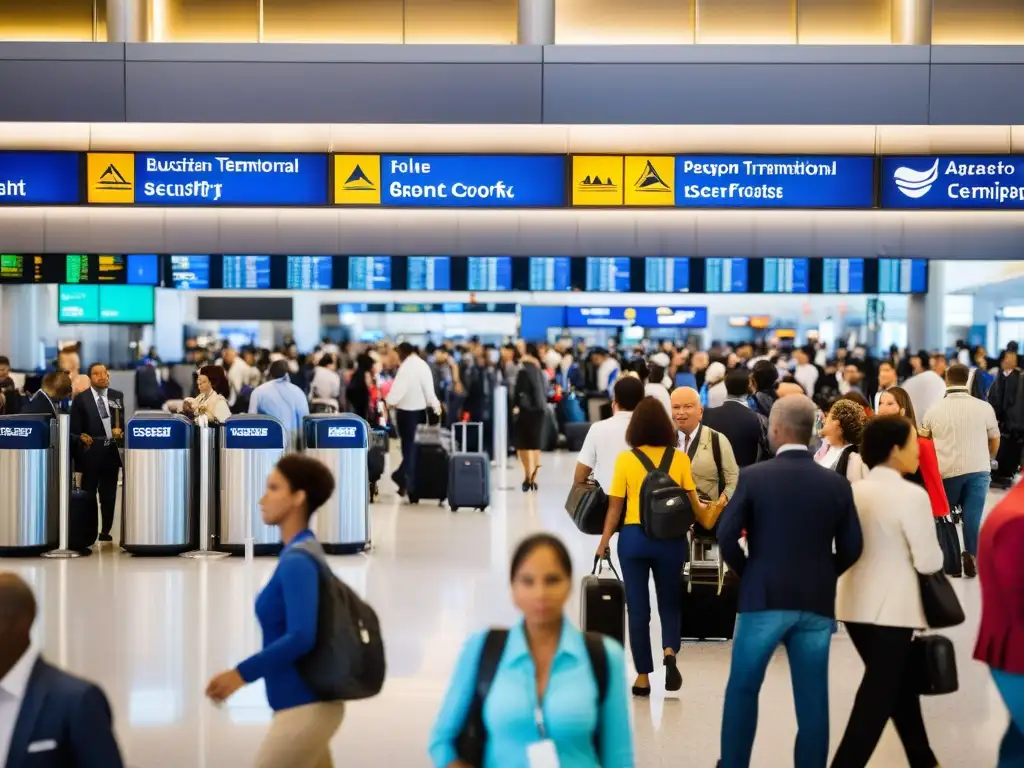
{"x": 111, "y": 177}
{"x": 650, "y": 180}
{"x": 357, "y": 179}
{"x": 597, "y": 180}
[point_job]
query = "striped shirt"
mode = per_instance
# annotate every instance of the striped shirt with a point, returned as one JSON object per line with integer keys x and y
{"x": 961, "y": 427}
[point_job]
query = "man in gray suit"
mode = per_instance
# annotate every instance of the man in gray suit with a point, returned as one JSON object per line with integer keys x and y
{"x": 712, "y": 461}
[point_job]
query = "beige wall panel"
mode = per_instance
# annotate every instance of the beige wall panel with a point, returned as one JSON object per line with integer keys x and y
{"x": 461, "y": 21}
{"x": 332, "y": 21}
{"x": 204, "y": 21}
{"x": 940, "y": 139}
{"x": 746, "y": 21}
{"x": 849, "y": 22}
{"x": 214, "y": 136}
{"x": 976, "y": 22}
{"x": 67, "y": 136}
{"x": 614, "y": 22}
{"x": 49, "y": 20}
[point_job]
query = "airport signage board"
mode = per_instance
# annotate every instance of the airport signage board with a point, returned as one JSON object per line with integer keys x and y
{"x": 39, "y": 178}
{"x": 335, "y": 432}
{"x": 450, "y": 181}
{"x": 25, "y": 433}
{"x": 206, "y": 179}
{"x": 255, "y": 433}
{"x": 643, "y": 317}
{"x": 961, "y": 182}
{"x": 158, "y": 434}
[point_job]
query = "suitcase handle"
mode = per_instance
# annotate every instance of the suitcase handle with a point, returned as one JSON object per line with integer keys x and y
{"x": 465, "y": 434}
{"x": 599, "y": 567}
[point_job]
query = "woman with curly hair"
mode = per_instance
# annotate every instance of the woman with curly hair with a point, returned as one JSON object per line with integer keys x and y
{"x": 844, "y": 427}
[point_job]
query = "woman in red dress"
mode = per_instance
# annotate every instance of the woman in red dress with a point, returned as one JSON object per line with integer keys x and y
{"x": 896, "y": 402}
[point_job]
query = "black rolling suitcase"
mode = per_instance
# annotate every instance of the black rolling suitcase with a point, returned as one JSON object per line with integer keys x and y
{"x": 603, "y": 603}
{"x": 710, "y": 595}
{"x": 430, "y": 464}
{"x": 469, "y": 474}
{"x": 83, "y": 520}
{"x": 575, "y": 434}
{"x": 376, "y": 458}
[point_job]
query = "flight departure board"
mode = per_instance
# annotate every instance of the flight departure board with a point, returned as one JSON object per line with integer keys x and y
{"x": 666, "y": 274}
{"x": 725, "y": 276}
{"x": 608, "y": 273}
{"x": 310, "y": 273}
{"x": 143, "y": 269}
{"x": 12, "y": 268}
{"x": 369, "y": 273}
{"x": 490, "y": 273}
{"x": 786, "y": 276}
{"x": 902, "y": 276}
{"x": 550, "y": 273}
{"x": 429, "y": 273}
{"x": 190, "y": 272}
{"x": 246, "y": 272}
{"x": 843, "y": 276}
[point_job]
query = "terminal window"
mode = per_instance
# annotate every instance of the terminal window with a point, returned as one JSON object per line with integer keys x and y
{"x": 81, "y": 21}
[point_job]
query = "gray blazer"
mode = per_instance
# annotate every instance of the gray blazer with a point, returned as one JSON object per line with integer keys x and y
{"x": 702, "y": 465}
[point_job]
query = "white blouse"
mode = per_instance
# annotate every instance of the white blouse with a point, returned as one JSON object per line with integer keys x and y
{"x": 856, "y": 470}
{"x": 217, "y": 408}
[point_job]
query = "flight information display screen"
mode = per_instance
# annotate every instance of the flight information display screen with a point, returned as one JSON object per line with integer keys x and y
{"x": 490, "y": 273}
{"x": 666, "y": 274}
{"x": 786, "y": 276}
{"x": 143, "y": 269}
{"x": 190, "y": 272}
{"x": 369, "y": 273}
{"x": 843, "y": 276}
{"x": 246, "y": 272}
{"x": 550, "y": 273}
{"x": 310, "y": 273}
{"x": 725, "y": 276}
{"x": 429, "y": 273}
{"x": 608, "y": 273}
{"x": 902, "y": 276}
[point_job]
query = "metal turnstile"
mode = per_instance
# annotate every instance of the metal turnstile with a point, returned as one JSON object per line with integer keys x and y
{"x": 341, "y": 441}
{"x": 157, "y": 516}
{"x": 250, "y": 447}
{"x": 28, "y": 485}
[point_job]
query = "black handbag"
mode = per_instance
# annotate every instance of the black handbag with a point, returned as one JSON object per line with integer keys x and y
{"x": 587, "y": 505}
{"x": 949, "y": 540}
{"x": 941, "y": 607}
{"x": 932, "y": 662}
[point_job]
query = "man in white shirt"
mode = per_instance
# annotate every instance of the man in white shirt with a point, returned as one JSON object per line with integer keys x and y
{"x": 48, "y": 718}
{"x": 887, "y": 379}
{"x": 240, "y": 374}
{"x": 606, "y": 440}
{"x": 925, "y": 389}
{"x": 607, "y": 369}
{"x": 713, "y": 475}
{"x": 966, "y": 438}
{"x": 412, "y": 392}
{"x": 805, "y": 373}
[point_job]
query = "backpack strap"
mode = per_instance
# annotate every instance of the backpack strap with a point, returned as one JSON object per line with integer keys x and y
{"x": 844, "y": 460}
{"x": 644, "y": 459}
{"x": 666, "y": 460}
{"x": 487, "y": 668}
{"x": 716, "y": 454}
{"x": 599, "y": 666}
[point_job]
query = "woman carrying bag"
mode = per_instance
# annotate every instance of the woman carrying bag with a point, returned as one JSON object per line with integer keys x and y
{"x": 879, "y": 598}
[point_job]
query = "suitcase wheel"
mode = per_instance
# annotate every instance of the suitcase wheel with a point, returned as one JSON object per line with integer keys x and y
{"x": 455, "y": 509}
{"x": 414, "y": 500}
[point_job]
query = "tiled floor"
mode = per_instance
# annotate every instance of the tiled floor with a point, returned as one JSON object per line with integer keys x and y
{"x": 152, "y": 631}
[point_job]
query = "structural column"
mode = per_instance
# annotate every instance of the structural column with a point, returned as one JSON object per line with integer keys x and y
{"x": 536, "y": 22}
{"x": 912, "y": 22}
{"x": 125, "y": 21}
{"x": 935, "y": 306}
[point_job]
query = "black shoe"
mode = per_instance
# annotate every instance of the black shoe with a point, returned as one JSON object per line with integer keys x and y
{"x": 533, "y": 486}
{"x": 526, "y": 486}
{"x": 970, "y": 566}
{"x": 673, "y": 680}
{"x": 105, "y": 537}
{"x": 641, "y": 692}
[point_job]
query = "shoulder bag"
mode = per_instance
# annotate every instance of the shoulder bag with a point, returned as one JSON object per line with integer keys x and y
{"x": 587, "y": 505}
{"x": 932, "y": 661}
{"x": 941, "y": 607}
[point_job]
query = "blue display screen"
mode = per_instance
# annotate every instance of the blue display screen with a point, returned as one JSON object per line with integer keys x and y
{"x": 246, "y": 272}
{"x": 369, "y": 273}
{"x": 310, "y": 273}
{"x": 644, "y": 317}
{"x": 902, "y": 276}
{"x": 176, "y": 178}
{"x": 483, "y": 181}
{"x": 39, "y": 178}
{"x": 843, "y": 276}
{"x": 774, "y": 181}
{"x": 725, "y": 276}
{"x": 490, "y": 273}
{"x": 550, "y": 273}
{"x": 190, "y": 272}
{"x": 962, "y": 182}
{"x": 786, "y": 276}
{"x": 143, "y": 269}
{"x": 666, "y": 274}
{"x": 608, "y": 273}
{"x": 430, "y": 273}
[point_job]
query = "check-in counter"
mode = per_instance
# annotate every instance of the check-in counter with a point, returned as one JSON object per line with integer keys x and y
{"x": 250, "y": 447}
{"x": 28, "y": 488}
{"x": 341, "y": 441}
{"x": 157, "y": 516}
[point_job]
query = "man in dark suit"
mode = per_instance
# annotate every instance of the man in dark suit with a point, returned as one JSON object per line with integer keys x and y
{"x": 791, "y": 511}
{"x": 55, "y": 388}
{"x": 746, "y": 430}
{"x": 98, "y": 414}
{"x": 48, "y": 718}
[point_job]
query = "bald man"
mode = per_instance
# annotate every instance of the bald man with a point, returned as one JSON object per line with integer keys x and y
{"x": 48, "y": 718}
{"x": 789, "y": 388}
{"x": 712, "y": 461}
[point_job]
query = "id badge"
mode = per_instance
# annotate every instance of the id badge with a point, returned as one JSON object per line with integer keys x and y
{"x": 542, "y": 754}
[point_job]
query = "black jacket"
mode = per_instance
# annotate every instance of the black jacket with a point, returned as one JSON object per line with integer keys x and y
{"x": 744, "y": 429}
{"x": 39, "y": 405}
{"x": 531, "y": 389}
{"x": 85, "y": 420}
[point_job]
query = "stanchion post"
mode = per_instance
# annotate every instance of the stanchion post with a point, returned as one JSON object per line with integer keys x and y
{"x": 501, "y": 436}
{"x": 63, "y": 487}
{"x": 205, "y": 472}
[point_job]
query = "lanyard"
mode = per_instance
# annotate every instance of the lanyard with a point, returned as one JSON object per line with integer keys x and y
{"x": 538, "y": 717}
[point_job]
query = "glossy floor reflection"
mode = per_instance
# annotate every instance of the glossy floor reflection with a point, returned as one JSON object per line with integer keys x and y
{"x": 152, "y": 631}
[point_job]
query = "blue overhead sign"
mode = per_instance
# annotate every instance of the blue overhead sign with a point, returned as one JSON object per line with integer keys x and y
{"x": 644, "y": 317}
{"x": 480, "y": 181}
{"x": 953, "y": 181}
{"x": 230, "y": 178}
{"x": 774, "y": 181}
{"x": 39, "y": 178}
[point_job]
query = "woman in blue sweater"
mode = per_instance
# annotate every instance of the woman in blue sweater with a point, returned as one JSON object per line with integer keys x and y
{"x": 545, "y": 705}
{"x": 302, "y": 727}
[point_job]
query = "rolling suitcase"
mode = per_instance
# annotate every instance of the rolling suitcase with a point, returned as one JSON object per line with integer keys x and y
{"x": 430, "y": 462}
{"x": 710, "y": 594}
{"x": 575, "y": 434}
{"x": 469, "y": 474}
{"x": 603, "y": 603}
{"x": 83, "y": 520}
{"x": 376, "y": 459}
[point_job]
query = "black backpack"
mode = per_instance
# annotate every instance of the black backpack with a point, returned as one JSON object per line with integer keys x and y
{"x": 472, "y": 740}
{"x": 347, "y": 662}
{"x": 665, "y": 511}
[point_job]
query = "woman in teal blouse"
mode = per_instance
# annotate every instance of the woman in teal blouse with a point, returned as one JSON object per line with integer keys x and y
{"x": 544, "y": 700}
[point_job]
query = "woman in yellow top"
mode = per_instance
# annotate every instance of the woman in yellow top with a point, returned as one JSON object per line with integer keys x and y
{"x": 651, "y": 431}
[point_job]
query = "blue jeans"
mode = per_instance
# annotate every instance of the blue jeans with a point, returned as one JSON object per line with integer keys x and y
{"x": 1011, "y": 688}
{"x": 969, "y": 492}
{"x": 807, "y": 637}
{"x": 639, "y": 556}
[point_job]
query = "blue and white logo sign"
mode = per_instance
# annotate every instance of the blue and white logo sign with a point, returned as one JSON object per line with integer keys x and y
{"x": 24, "y": 433}
{"x": 247, "y": 432}
{"x": 335, "y": 432}
{"x": 951, "y": 181}
{"x": 644, "y": 317}
{"x": 774, "y": 181}
{"x": 39, "y": 178}
{"x": 149, "y": 434}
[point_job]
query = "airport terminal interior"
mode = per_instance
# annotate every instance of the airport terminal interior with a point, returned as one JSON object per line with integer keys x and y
{"x": 198, "y": 197}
